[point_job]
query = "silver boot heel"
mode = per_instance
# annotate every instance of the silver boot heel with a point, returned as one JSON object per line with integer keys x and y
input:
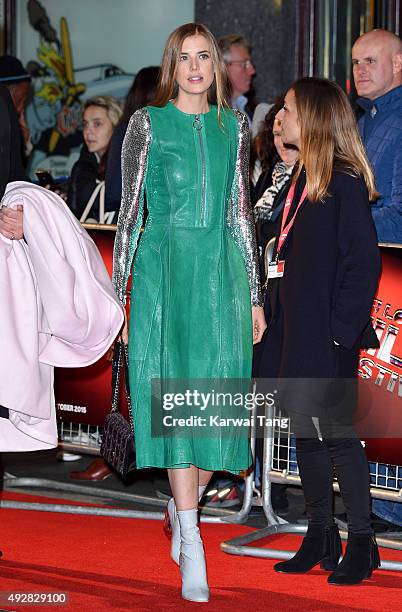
{"x": 192, "y": 559}
{"x": 175, "y": 527}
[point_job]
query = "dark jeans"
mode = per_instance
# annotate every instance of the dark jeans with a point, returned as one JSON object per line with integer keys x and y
{"x": 319, "y": 459}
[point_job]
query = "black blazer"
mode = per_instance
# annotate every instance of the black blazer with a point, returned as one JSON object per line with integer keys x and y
{"x": 332, "y": 266}
{"x": 11, "y": 168}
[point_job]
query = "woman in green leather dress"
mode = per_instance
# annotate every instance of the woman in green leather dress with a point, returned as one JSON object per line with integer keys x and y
{"x": 195, "y": 302}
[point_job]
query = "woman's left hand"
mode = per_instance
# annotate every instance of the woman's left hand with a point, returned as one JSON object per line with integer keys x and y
{"x": 11, "y": 222}
{"x": 259, "y": 324}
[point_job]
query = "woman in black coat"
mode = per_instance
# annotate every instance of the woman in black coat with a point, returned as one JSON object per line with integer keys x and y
{"x": 320, "y": 292}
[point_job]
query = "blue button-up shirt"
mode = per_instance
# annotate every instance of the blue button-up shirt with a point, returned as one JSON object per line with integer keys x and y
{"x": 381, "y": 131}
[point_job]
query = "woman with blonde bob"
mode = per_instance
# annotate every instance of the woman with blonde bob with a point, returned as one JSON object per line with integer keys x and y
{"x": 320, "y": 291}
{"x": 195, "y": 303}
{"x": 100, "y": 116}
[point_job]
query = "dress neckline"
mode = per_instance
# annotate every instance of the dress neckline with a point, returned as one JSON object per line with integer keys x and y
{"x": 192, "y": 115}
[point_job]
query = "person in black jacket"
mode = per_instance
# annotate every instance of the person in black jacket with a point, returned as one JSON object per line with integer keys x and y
{"x": 11, "y": 168}
{"x": 321, "y": 286}
{"x": 276, "y": 162}
{"x": 100, "y": 117}
{"x": 17, "y": 80}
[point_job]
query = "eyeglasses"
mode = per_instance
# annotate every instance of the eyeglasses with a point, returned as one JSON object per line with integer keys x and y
{"x": 246, "y": 64}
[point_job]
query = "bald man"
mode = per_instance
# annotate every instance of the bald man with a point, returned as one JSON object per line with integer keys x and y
{"x": 377, "y": 72}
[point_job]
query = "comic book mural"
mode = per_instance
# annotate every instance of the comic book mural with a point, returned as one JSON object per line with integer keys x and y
{"x": 75, "y": 50}
{"x": 59, "y": 89}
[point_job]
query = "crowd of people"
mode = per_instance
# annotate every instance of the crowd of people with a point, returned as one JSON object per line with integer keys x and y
{"x": 205, "y": 302}
{"x": 377, "y": 74}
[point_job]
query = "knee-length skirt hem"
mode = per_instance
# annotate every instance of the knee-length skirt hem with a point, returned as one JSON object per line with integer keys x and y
{"x": 220, "y": 468}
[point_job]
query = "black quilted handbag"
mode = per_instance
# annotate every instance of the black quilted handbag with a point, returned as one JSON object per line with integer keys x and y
{"x": 117, "y": 447}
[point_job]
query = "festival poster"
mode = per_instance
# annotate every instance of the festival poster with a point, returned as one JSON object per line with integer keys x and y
{"x": 379, "y": 416}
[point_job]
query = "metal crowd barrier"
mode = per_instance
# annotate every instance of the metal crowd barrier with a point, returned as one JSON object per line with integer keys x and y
{"x": 79, "y": 438}
{"x": 280, "y": 466}
{"x": 86, "y": 439}
{"x": 210, "y": 515}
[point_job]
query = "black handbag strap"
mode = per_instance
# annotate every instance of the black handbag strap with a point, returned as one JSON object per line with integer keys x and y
{"x": 120, "y": 361}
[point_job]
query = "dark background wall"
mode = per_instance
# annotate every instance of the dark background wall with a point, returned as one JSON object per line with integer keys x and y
{"x": 270, "y": 27}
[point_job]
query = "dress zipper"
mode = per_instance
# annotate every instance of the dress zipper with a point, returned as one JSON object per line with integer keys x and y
{"x": 197, "y": 124}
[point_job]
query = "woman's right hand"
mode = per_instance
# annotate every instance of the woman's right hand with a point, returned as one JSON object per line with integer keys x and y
{"x": 122, "y": 337}
{"x": 11, "y": 222}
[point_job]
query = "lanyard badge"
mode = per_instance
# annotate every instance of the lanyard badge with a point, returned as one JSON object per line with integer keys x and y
{"x": 276, "y": 268}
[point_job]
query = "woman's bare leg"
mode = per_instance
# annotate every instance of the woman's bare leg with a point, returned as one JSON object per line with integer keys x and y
{"x": 184, "y": 485}
{"x": 204, "y": 477}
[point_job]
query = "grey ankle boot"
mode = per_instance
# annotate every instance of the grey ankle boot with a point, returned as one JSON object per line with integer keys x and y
{"x": 192, "y": 559}
{"x": 175, "y": 526}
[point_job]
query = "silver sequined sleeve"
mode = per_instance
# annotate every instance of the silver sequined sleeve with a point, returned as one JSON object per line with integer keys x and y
{"x": 240, "y": 217}
{"x": 134, "y": 158}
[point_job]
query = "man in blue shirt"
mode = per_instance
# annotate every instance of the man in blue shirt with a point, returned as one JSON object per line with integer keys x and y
{"x": 377, "y": 72}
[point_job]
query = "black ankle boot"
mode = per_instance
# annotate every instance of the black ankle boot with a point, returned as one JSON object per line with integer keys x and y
{"x": 320, "y": 545}
{"x": 360, "y": 560}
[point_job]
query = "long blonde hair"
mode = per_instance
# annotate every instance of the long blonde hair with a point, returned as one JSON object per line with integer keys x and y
{"x": 329, "y": 136}
{"x": 168, "y": 89}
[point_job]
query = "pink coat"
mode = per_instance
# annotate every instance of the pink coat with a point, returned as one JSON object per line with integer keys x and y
{"x": 58, "y": 308}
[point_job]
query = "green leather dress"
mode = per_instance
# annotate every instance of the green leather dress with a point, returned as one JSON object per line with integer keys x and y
{"x": 195, "y": 272}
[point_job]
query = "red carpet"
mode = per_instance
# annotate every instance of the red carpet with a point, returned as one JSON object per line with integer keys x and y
{"x": 123, "y": 564}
